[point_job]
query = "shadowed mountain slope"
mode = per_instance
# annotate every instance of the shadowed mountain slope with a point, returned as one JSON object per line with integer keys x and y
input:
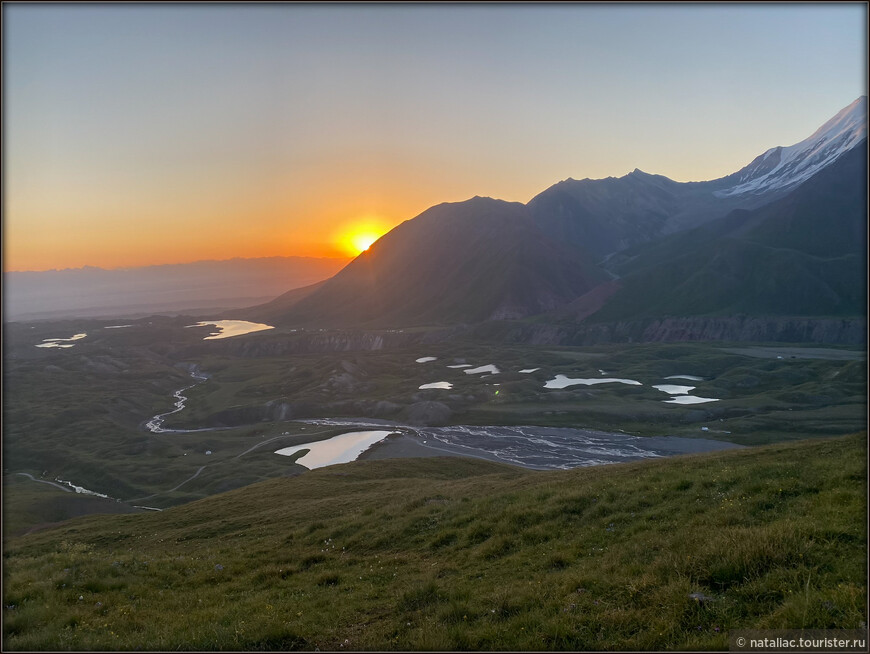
{"x": 604, "y": 216}
{"x": 802, "y": 255}
{"x": 456, "y": 262}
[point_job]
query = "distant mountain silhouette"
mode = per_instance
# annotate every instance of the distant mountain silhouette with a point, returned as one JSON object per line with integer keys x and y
{"x": 93, "y": 292}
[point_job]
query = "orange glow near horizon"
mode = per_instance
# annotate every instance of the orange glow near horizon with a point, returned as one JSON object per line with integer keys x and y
{"x": 358, "y": 237}
{"x": 55, "y": 257}
{"x": 125, "y": 250}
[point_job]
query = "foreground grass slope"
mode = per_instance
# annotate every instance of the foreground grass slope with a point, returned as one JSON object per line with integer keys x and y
{"x": 464, "y": 554}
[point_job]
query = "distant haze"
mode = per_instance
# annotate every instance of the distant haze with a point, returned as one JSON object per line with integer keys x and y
{"x": 212, "y": 285}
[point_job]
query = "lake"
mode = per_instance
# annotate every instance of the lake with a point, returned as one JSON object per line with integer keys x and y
{"x": 673, "y": 389}
{"x": 230, "y": 328}
{"x": 491, "y": 368}
{"x": 561, "y": 381}
{"x": 690, "y": 399}
{"x": 338, "y": 449}
{"x": 61, "y": 342}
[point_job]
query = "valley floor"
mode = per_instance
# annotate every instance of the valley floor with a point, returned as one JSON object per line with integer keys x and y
{"x": 99, "y": 412}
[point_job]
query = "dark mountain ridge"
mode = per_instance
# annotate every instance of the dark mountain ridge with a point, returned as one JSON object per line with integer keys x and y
{"x": 801, "y": 255}
{"x": 605, "y": 216}
{"x": 781, "y": 237}
{"x": 481, "y": 259}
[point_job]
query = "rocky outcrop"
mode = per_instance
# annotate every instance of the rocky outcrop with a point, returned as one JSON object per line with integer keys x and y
{"x": 760, "y": 329}
{"x": 316, "y": 341}
{"x": 276, "y": 410}
{"x": 829, "y": 331}
{"x": 280, "y": 410}
{"x": 344, "y": 383}
{"x": 429, "y": 414}
{"x": 319, "y": 341}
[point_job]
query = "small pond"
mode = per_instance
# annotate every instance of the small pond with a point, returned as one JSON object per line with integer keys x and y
{"x": 338, "y": 449}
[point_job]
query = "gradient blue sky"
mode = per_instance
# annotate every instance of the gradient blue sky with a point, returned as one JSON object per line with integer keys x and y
{"x": 167, "y": 133}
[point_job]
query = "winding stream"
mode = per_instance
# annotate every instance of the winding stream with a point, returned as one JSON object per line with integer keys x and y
{"x": 529, "y": 446}
{"x": 154, "y": 425}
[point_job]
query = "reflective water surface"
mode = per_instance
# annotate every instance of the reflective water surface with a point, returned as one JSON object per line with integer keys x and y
{"x": 229, "y": 328}
{"x": 542, "y": 447}
{"x": 338, "y": 449}
{"x": 673, "y": 389}
{"x": 690, "y": 399}
{"x": 61, "y": 342}
{"x": 561, "y": 381}
{"x": 491, "y": 368}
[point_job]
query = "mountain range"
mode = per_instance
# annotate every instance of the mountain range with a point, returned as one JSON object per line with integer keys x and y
{"x": 206, "y": 286}
{"x": 801, "y": 255}
{"x": 783, "y": 236}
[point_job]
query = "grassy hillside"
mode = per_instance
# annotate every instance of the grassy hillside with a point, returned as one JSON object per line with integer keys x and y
{"x": 462, "y": 554}
{"x": 31, "y": 505}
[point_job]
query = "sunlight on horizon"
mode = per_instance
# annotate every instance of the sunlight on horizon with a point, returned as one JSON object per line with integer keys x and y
{"x": 357, "y": 237}
{"x": 363, "y": 242}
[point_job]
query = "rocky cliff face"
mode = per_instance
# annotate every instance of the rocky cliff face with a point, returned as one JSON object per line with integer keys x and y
{"x": 774, "y": 330}
{"x": 852, "y": 332}
{"x": 829, "y": 331}
{"x": 316, "y": 341}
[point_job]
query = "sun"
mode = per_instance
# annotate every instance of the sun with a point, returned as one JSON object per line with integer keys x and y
{"x": 357, "y": 238}
{"x": 363, "y": 241}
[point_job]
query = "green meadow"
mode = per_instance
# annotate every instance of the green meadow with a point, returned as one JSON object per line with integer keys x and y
{"x": 464, "y": 554}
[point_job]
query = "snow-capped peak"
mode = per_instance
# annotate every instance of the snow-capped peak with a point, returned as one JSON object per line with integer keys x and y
{"x": 784, "y": 167}
{"x": 850, "y": 119}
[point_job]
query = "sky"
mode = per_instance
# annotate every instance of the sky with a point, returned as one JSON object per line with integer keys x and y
{"x": 147, "y": 134}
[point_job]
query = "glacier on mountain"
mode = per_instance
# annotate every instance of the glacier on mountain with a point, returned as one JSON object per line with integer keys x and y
{"x": 784, "y": 167}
